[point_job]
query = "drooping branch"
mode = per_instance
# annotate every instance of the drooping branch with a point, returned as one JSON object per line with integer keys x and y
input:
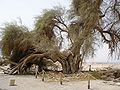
{"x": 114, "y": 38}
{"x": 115, "y": 9}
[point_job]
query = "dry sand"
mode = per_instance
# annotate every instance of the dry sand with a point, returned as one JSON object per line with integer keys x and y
{"x": 29, "y": 82}
{"x": 96, "y": 66}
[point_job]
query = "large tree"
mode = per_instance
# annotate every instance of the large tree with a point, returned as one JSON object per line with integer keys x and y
{"x": 93, "y": 20}
{"x": 83, "y": 26}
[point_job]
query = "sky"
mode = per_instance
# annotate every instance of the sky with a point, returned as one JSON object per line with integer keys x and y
{"x": 11, "y": 10}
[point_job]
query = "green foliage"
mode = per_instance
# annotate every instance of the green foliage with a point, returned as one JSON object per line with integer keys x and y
{"x": 103, "y": 19}
{"x": 15, "y": 41}
{"x": 88, "y": 11}
{"x": 44, "y": 36}
{"x": 74, "y": 31}
{"x": 88, "y": 48}
{"x": 11, "y": 37}
{"x": 45, "y": 20}
{"x": 45, "y": 23}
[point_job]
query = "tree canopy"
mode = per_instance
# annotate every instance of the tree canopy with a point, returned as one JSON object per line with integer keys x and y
{"x": 83, "y": 26}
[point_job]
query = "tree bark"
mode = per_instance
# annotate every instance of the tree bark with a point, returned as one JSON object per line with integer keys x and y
{"x": 71, "y": 64}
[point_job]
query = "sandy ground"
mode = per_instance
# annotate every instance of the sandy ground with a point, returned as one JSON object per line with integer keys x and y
{"x": 29, "y": 82}
{"x": 101, "y": 66}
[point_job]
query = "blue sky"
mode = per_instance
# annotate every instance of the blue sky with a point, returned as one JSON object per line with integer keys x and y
{"x": 11, "y": 10}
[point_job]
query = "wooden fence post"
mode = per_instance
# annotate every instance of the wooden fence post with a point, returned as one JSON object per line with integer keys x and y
{"x": 89, "y": 77}
{"x": 43, "y": 75}
{"x": 88, "y": 82}
{"x": 36, "y": 71}
{"x": 61, "y": 78}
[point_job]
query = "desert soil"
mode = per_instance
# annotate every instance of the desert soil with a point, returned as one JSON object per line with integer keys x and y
{"x": 29, "y": 82}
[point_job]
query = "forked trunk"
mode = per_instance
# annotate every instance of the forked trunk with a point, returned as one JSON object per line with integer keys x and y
{"x": 71, "y": 64}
